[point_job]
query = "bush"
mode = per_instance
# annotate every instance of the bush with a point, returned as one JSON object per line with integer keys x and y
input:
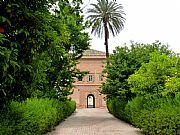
{"x": 164, "y": 121}
{"x": 116, "y": 107}
{"x": 132, "y": 109}
{"x": 152, "y": 114}
{"x": 34, "y": 116}
{"x": 155, "y": 115}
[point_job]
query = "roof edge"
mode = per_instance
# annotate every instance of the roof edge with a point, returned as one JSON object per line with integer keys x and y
{"x": 93, "y": 52}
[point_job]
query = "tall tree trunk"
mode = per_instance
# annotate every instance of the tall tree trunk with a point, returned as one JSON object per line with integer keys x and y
{"x": 106, "y": 38}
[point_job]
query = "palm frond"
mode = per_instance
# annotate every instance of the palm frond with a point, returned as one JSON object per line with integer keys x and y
{"x": 108, "y": 11}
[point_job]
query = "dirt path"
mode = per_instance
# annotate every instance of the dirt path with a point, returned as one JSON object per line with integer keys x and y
{"x": 94, "y": 122}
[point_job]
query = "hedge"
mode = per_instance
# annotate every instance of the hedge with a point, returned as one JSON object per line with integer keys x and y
{"x": 34, "y": 116}
{"x": 152, "y": 115}
{"x": 116, "y": 107}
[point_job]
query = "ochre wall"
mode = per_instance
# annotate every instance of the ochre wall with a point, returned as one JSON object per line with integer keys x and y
{"x": 94, "y": 65}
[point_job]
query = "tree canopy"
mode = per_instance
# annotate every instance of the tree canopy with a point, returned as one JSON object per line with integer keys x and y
{"x": 124, "y": 62}
{"x": 160, "y": 76}
{"x": 36, "y": 54}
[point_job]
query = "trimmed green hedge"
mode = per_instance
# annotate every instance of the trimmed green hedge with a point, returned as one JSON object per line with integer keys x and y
{"x": 152, "y": 115}
{"x": 34, "y": 116}
{"x": 116, "y": 107}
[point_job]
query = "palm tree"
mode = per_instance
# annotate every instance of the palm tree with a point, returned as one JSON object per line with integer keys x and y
{"x": 106, "y": 16}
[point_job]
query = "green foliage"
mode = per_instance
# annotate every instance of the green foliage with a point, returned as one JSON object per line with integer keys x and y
{"x": 39, "y": 49}
{"x": 124, "y": 62}
{"x": 36, "y": 54}
{"x": 155, "y": 115}
{"x": 160, "y": 76}
{"x": 116, "y": 107}
{"x": 105, "y": 17}
{"x": 34, "y": 116}
{"x": 133, "y": 108}
{"x": 151, "y": 74}
{"x": 108, "y": 12}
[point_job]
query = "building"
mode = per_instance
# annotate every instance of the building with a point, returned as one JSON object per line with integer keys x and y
{"x": 86, "y": 91}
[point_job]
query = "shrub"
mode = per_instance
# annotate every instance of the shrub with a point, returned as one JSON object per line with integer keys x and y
{"x": 34, "y": 116}
{"x": 164, "y": 121}
{"x": 133, "y": 108}
{"x": 152, "y": 114}
{"x": 155, "y": 115}
{"x": 116, "y": 107}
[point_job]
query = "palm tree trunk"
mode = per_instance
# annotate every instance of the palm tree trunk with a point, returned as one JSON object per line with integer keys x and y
{"x": 106, "y": 38}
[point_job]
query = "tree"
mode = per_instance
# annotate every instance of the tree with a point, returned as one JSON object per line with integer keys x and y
{"x": 24, "y": 37}
{"x": 160, "y": 76}
{"x": 35, "y": 47}
{"x": 106, "y": 17}
{"x": 124, "y": 62}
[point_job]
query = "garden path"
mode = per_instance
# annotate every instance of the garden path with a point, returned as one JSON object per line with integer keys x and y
{"x": 94, "y": 122}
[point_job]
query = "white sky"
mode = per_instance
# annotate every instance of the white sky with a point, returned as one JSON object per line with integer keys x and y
{"x": 146, "y": 21}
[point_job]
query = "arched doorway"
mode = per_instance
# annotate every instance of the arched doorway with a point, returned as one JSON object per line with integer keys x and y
{"x": 90, "y": 101}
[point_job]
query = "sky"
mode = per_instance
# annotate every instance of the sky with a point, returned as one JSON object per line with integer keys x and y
{"x": 146, "y": 22}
